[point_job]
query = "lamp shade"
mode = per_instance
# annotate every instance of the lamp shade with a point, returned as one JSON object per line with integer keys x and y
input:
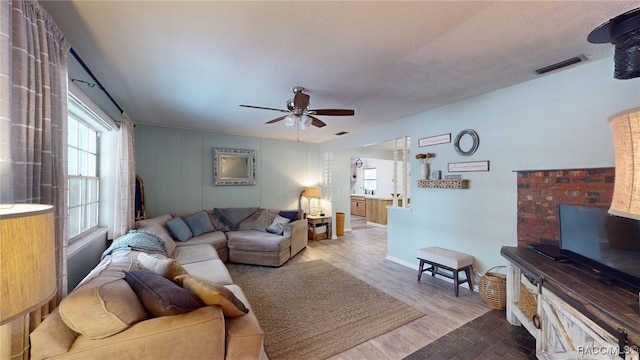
{"x": 305, "y": 122}
{"x": 27, "y": 259}
{"x": 312, "y": 192}
{"x": 625, "y": 128}
{"x": 290, "y": 120}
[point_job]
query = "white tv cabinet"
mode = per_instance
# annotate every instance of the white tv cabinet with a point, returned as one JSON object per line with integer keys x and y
{"x": 577, "y": 316}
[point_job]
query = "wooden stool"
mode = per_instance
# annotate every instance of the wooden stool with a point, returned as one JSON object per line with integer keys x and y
{"x": 449, "y": 260}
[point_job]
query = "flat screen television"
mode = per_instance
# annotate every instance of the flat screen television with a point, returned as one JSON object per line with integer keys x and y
{"x": 608, "y": 244}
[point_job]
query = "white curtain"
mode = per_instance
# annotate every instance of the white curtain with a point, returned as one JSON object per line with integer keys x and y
{"x": 125, "y": 179}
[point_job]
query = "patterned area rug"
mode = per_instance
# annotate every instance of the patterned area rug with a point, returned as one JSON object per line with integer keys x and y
{"x": 314, "y": 310}
{"x": 489, "y": 336}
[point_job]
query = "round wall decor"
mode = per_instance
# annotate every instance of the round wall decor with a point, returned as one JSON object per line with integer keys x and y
{"x": 359, "y": 163}
{"x": 474, "y": 145}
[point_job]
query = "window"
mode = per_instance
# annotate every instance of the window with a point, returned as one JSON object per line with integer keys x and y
{"x": 83, "y": 181}
{"x": 370, "y": 178}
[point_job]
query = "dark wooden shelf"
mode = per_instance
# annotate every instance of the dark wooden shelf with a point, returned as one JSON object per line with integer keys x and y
{"x": 610, "y": 306}
{"x": 444, "y": 184}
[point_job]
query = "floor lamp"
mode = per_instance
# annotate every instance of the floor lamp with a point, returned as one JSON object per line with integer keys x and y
{"x": 625, "y": 129}
{"x": 27, "y": 264}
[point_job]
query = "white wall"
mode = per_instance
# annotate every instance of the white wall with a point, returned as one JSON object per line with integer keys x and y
{"x": 176, "y": 166}
{"x": 385, "y": 183}
{"x": 557, "y": 121}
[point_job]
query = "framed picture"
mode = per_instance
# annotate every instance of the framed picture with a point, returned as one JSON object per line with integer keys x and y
{"x": 434, "y": 140}
{"x": 469, "y": 166}
{"x": 234, "y": 166}
{"x": 435, "y": 175}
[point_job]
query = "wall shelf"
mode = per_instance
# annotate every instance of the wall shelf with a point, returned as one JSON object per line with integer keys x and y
{"x": 444, "y": 184}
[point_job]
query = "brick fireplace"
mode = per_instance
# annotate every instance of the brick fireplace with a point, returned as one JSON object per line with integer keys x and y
{"x": 540, "y": 192}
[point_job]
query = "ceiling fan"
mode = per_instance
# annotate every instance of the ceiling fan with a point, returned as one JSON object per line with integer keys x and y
{"x": 299, "y": 112}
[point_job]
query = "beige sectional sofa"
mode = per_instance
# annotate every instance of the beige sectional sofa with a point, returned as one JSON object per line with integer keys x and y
{"x": 105, "y": 318}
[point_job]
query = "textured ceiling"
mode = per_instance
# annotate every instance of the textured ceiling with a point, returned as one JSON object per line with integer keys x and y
{"x": 190, "y": 64}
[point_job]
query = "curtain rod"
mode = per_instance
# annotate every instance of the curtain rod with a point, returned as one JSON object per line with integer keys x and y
{"x": 84, "y": 66}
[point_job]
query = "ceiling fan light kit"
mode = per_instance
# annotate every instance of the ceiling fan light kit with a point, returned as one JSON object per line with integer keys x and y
{"x": 299, "y": 112}
{"x": 304, "y": 121}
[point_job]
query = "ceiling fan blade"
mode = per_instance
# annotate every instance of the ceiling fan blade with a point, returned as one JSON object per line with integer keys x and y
{"x": 276, "y": 120}
{"x": 333, "y": 112}
{"x": 264, "y": 108}
{"x": 317, "y": 122}
{"x": 301, "y": 100}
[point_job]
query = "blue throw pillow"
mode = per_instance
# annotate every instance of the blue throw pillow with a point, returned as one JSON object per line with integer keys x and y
{"x": 199, "y": 223}
{"x": 179, "y": 229}
{"x": 291, "y": 215}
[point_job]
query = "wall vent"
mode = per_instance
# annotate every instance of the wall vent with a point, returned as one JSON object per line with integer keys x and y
{"x": 561, "y": 64}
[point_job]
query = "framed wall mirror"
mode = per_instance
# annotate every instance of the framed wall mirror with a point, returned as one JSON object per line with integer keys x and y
{"x": 234, "y": 166}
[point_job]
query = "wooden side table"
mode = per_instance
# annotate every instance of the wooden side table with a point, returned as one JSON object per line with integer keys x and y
{"x": 314, "y": 221}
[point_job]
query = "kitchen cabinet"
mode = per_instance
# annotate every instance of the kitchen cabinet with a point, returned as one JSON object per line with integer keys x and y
{"x": 377, "y": 209}
{"x": 358, "y": 206}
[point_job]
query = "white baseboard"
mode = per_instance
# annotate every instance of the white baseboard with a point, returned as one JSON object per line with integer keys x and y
{"x": 415, "y": 267}
{"x": 369, "y": 223}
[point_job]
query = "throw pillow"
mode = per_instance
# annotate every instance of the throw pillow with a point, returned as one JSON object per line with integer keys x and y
{"x": 159, "y": 295}
{"x": 213, "y": 294}
{"x": 277, "y": 226}
{"x": 264, "y": 220}
{"x": 199, "y": 223}
{"x": 179, "y": 229}
{"x": 169, "y": 268}
{"x": 291, "y": 215}
{"x": 105, "y": 304}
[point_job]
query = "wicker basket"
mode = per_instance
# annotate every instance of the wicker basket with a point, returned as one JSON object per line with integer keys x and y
{"x": 527, "y": 302}
{"x": 493, "y": 288}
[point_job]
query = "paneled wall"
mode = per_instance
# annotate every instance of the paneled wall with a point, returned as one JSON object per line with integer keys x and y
{"x": 176, "y": 166}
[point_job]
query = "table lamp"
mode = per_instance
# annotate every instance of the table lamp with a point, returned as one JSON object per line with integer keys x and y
{"x": 27, "y": 264}
{"x": 313, "y": 192}
{"x": 625, "y": 129}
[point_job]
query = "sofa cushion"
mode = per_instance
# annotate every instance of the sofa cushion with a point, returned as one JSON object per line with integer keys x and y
{"x": 179, "y": 229}
{"x": 253, "y": 240}
{"x": 157, "y": 225}
{"x": 213, "y": 270}
{"x": 160, "y": 295}
{"x": 213, "y": 294}
{"x": 105, "y": 304}
{"x": 196, "y": 335}
{"x": 217, "y": 239}
{"x": 199, "y": 223}
{"x": 264, "y": 221}
{"x": 169, "y": 268}
{"x": 244, "y": 337}
{"x": 196, "y": 253}
{"x": 277, "y": 226}
{"x": 227, "y": 219}
{"x": 51, "y": 338}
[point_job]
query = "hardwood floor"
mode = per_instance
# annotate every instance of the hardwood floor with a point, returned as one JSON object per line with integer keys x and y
{"x": 362, "y": 253}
